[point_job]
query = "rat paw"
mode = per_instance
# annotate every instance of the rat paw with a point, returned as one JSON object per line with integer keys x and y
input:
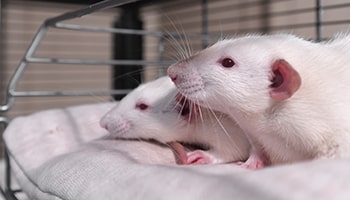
{"x": 251, "y": 165}
{"x": 196, "y": 157}
{"x": 199, "y": 157}
{"x": 255, "y": 161}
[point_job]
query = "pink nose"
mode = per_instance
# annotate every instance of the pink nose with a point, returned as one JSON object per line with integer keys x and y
{"x": 173, "y": 77}
{"x": 172, "y": 74}
{"x": 104, "y": 124}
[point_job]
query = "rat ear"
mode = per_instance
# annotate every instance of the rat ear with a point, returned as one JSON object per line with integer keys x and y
{"x": 285, "y": 82}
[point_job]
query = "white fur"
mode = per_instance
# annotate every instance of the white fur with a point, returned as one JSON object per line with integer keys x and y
{"x": 313, "y": 123}
{"x": 162, "y": 121}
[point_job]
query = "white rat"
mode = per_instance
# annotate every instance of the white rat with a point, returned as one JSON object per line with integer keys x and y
{"x": 290, "y": 96}
{"x": 153, "y": 111}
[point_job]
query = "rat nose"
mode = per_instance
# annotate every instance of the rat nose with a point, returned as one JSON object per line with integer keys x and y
{"x": 104, "y": 123}
{"x": 172, "y": 74}
{"x": 173, "y": 77}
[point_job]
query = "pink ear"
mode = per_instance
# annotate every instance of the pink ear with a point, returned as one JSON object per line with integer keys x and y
{"x": 286, "y": 81}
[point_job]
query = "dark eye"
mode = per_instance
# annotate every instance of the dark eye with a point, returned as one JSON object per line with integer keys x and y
{"x": 141, "y": 106}
{"x": 227, "y": 62}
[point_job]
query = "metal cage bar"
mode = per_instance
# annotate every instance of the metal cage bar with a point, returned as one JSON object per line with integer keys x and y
{"x": 7, "y": 190}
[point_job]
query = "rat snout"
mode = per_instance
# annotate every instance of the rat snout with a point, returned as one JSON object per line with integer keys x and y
{"x": 115, "y": 124}
{"x": 179, "y": 71}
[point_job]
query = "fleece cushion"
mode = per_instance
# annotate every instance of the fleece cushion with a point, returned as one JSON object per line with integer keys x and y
{"x": 63, "y": 154}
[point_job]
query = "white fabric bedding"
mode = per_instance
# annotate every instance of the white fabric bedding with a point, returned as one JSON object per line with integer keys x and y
{"x": 63, "y": 154}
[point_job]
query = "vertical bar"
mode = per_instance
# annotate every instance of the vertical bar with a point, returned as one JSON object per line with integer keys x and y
{"x": 2, "y": 68}
{"x": 7, "y": 159}
{"x": 8, "y": 181}
{"x": 8, "y": 191}
{"x": 128, "y": 47}
{"x": 265, "y": 16}
{"x": 204, "y": 23}
{"x": 161, "y": 49}
{"x": 319, "y": 12}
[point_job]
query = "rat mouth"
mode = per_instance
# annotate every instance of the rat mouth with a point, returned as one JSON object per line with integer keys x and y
{"x": 186, "y": 108}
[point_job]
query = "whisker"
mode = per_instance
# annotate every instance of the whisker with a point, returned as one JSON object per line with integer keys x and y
{"x": 187, "y": 43}
{"x": 176, "y": 105}
{"x": 181, "y": 37}
{"x": 171, "y": 102}
{"x": 170, "y": 37}
{"x": 180, "y": 49}
{"x": 173, "y": 55}
{"x": 217, "y": 120}
{"x": 190, "y": 109}
{"x": 99, "y": 99}
{"x": 200, "y": 112}
{"x": 221, "y": 33}
{"x": 182, "y": 106}
{"x": 138, "y": 71}
{"x": 194, "y": 108}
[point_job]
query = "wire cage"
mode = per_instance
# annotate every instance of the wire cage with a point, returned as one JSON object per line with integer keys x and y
{"x": 58, "y": 23}
{"x": 267, "y": 17}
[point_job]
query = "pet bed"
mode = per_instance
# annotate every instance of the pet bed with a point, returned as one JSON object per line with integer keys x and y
{"x": 64, "y": 154}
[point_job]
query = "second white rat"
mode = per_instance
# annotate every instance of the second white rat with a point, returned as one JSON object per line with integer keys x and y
{"x": 154, "y": 111}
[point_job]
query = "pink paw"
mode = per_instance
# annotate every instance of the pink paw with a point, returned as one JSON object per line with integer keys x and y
{"x": 198, "y": 157}
{"x": 255, "y": 161}
{"x": 251, "y": 165}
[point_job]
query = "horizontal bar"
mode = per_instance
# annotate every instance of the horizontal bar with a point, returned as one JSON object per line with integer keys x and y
{"x": 67, "y": 93}
{"x": 336, "y": 22}
{"x": 240, "y": 6}
{"x": 92, "y": 8}
{"x": 265, "y": 15}
{"x": 130, "y": 31}
{"x": 4, "y": 120}
{"x": 276, "y": 14}
{"x": 336, "y": 6}
{"x": 95, "y": 62}
{"x": 278, "y": 27}
{"x": 107, "y": 29}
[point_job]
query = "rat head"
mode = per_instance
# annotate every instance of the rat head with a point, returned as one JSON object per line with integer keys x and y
{"x": 247, "y": 74}
{"x": 151, "y": 111}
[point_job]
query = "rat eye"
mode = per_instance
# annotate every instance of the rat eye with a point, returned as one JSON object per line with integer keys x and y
{"x": 141, "y": 106}
{"x": 227, "y": 62}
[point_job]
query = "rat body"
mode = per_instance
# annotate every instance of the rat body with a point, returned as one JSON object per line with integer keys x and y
{"x": 153, "y": 111}
{"x": 290, "y": 96}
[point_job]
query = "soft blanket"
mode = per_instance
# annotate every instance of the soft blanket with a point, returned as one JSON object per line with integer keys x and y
{"x": 64, "y": 154}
